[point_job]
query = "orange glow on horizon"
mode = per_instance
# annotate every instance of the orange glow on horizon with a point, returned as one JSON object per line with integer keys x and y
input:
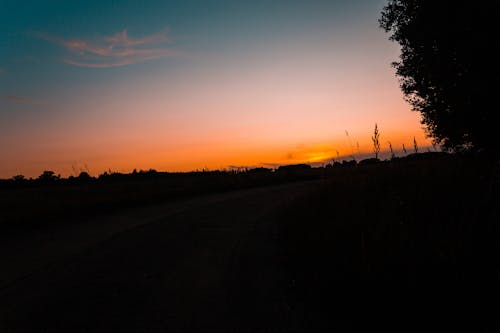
{"x": 212, "y": 156}
{"x": 275, "y": 105}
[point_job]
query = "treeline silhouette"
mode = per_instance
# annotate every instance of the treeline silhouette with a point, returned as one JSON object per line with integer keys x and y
{"x": 52, "y": 198}
{"x": 50, "y": 178}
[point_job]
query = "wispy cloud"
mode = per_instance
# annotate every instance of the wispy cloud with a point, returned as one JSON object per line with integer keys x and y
{"x": 24, "y": 100}
{"x": 122, "y": 39}
{"x": 117, "y": 50}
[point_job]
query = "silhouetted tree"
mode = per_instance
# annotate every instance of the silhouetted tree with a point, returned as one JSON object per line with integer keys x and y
{"x": 19, "y": 178}
{"x": 447, "y": 55}
{"x": 84, "y": 176}
{"x": 415, "y": 146}
{"x": 48, "y": 177}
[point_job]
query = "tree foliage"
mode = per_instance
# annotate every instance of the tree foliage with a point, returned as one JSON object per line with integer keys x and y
{"x": 48, "y": 176}
{"x": 445, "y": 62}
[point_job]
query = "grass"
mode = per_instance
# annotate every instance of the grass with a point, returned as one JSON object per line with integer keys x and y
{"x": 36, "y": 204}
{"x": 411, "y": 245}
{"x": 406, "y": 245}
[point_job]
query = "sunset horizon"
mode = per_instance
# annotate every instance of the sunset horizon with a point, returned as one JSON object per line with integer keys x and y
{"x": 248, "y": 166}
{"x": 243, "y": 85}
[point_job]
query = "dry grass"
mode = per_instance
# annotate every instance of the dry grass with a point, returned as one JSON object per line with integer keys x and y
{"x": 406, "y": 246}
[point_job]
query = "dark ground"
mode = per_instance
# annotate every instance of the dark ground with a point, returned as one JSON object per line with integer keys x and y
{"x": 410, "y": 245}
{"x": 208, "y": 264}
{"x": 407, "y": 246}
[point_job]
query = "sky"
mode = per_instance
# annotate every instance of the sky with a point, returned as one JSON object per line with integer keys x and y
{"x": 195, "y": 84}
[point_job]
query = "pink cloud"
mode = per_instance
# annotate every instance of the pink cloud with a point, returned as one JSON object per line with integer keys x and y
{"x": 122, "y": 39}
{"x": 25, "y": 100}
{"x": 124, "y": 61}
{"x": 116, "y": 50}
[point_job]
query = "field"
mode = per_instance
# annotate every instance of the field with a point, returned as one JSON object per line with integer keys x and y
{"x": 409, "y": 246}
{"x": 22, "y": 203}
{"x": 406, "y": 245}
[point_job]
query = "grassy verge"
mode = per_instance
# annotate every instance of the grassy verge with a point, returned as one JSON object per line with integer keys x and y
{"x": 409, "y": 246}
{"x": 33, "y": 204}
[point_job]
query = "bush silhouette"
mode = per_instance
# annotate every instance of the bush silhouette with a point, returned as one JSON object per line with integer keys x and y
{"x": 19, "y": 178}
{"x": 84, "y": 176}
{"x": 48, "y": 177}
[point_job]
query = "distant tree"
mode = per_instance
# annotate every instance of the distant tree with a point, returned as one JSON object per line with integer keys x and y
{"x": 376, "y": 142}
{"x": 445, "y": 67}
{"x": 415, "y": 146}
{"x": 259, "y": 170}
{"x": 368, "y": 161}
{"x": 404, "y": 149}
{"x": 48, "y": 177}
{"x": 349, "y": 163}
{"x": 19, "y": 178}
{"x": 294, "y": 167}
{"x": 84, "y": 176}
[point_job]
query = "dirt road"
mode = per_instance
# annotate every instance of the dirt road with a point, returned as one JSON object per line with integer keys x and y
{"x": 205, "y": 264}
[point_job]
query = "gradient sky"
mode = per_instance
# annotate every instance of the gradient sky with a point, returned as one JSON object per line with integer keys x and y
{"x": 183, "y": 85}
